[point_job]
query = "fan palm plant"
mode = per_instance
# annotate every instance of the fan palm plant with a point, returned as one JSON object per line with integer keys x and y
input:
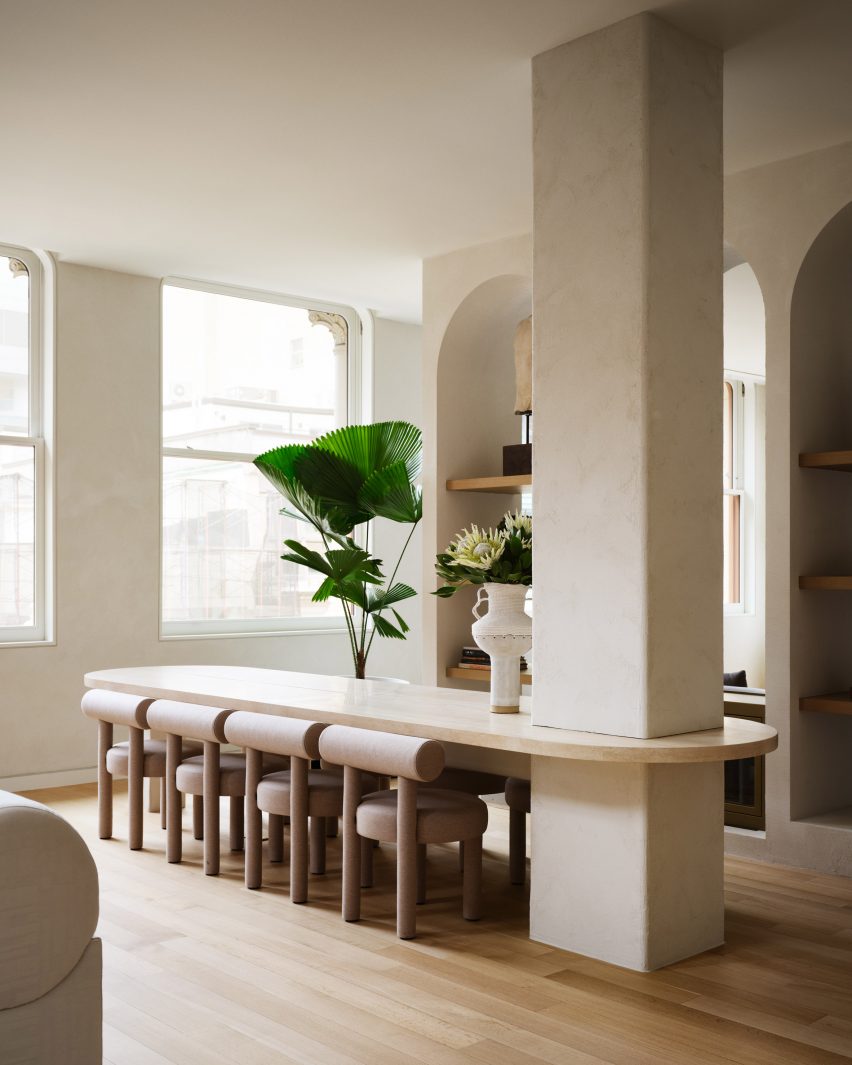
{"x": 343, "y": 480}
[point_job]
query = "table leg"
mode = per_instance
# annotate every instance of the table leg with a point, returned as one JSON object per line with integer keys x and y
{"x": 627, "y": 860}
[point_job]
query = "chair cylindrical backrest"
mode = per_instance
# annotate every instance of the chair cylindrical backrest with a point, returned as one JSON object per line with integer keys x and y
{"x": 382, "y": 752}
{"x": 274, "y": 735}
{"x": 116, "y": 707}
{"x": 188, "y": 719}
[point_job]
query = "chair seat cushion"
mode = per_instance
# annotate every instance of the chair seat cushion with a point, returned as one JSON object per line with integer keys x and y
{"x": 472, "y": 781}
{"x": 518, "y": 794}
{"x": 325, "y": 792}
{"x": 154, "y": 764}
{"x": 442, "y": 816}
{"x": 232, "y": 773}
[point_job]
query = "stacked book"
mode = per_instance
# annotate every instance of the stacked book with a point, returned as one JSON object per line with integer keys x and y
{"x": 476, "y": 658}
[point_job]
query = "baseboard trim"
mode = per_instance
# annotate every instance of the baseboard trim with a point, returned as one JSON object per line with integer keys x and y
{"x": 37, "y": 781}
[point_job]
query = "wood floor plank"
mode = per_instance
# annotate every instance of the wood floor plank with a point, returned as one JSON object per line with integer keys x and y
{"x": 199, "y": 971}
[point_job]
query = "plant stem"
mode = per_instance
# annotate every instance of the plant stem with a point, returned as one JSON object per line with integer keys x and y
{"x": 350, "y": 625}
{"x": 392, "y": 579}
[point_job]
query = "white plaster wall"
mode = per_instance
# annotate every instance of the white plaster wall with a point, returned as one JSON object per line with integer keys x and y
{"x": 107, "y": 521}
{"x": 773, "y": 214}
{"x": 626, "y": 379}
{"x": 472, "y": 300}
{"x": 397, "y": 397}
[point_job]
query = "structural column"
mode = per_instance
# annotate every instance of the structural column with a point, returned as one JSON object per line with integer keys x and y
{"x": 627, "y": 364}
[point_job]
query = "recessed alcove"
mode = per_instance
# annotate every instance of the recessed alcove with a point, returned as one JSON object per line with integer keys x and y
{"x": 475, "y": 418}
{"x": 821, "y": 524}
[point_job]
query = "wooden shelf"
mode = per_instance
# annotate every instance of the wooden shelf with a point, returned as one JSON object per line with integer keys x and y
{"x": 458, "y": 673}
{"x": 826, "y": 584}
{"x": 834, "y": 703}
{"x": 826, "y": 460}
{"x": 507, "y": 485}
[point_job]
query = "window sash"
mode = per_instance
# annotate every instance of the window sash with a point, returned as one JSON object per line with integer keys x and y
{"x": 188, "y": 629}
{"x": 37, "y": 632}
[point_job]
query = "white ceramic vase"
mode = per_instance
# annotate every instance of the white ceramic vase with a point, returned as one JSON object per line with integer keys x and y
{"x": 504, "y": 633}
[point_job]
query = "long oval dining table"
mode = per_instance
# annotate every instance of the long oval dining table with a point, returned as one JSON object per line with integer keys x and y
{"x": 591, "y": 795}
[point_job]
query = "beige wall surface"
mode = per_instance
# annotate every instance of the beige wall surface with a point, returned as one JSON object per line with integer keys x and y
{"x": 773, "y": 215}
{"x": 472, "y": 301}
{"x": 107, "y": 466}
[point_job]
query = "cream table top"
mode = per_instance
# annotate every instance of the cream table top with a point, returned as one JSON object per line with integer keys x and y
{"x": 416, "y": 710}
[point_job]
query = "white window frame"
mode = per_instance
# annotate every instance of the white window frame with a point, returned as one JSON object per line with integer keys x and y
{"x": 744, "y": 468}
{"x": 355, "y": 394}
{"x": 40, "y": 438}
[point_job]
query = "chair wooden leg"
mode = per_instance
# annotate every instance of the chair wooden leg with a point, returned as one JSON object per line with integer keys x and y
{"x": 406, "y": 859}
{"x": 317, "y": 845}
{"x": 299, "y": 831}
{"x": 472, "y": 882}
{"x": 237, "y": 829}
{"x": 174, "y": 808}
{"x": 162, "y": 787}
{"x": 105, "y": 734}
{"x": 211, "y": 808}
{"x": 331, "y": 827}
{"x": 366, "y": 862}
{"x": 421, "y": 873}
{"x": 517, "y": 846}
{"x": 276, "y": 838}
{"x": 254, "y": 821}
{"x": 198, "y": 817}
{"x": 351, "y": 895}
{"x": 136, "y": 787}
{"x": 461, "y": 855}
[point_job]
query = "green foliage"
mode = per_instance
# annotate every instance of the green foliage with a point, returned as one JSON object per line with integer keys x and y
{"x": 487, "y": 556}
{"x": 341, "y": 481}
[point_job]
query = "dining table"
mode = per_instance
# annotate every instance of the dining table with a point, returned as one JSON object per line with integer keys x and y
{"x": 588, "y": 791}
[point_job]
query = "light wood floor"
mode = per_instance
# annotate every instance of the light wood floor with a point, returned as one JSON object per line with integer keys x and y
{"x": 199, "y": 971}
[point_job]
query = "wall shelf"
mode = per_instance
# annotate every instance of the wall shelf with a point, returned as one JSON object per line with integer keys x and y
{"x": 826, "y": 584}
{"x": 484, "y": 675}
{"x": 833, "y": 703}
{"x": 512, "y": 485}
{"x": 826, "y": 460}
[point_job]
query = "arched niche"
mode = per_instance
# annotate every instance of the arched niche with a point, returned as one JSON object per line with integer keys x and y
{"x": 475, "y": 418}
{"x": 821, "y": 520}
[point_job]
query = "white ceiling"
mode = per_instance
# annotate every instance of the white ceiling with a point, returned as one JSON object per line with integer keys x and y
{"x": 325, "y": 147}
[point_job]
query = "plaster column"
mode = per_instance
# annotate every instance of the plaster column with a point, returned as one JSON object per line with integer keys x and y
{"x": 627, "y": 284}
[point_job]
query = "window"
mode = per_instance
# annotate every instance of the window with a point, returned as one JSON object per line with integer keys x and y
{"x": 23, "y": 571}
{"x": 732, "y": 488}
{"x": 243, "y": 372}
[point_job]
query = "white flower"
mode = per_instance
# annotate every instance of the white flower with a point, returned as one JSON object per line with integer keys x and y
{"x": 477, "y": 548}
{"x": 518, "y": 524}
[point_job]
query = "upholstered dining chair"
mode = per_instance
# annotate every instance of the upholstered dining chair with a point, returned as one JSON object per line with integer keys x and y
{"x": 137, "y": 758}
{"x": 518, "y": 798}
{"x": 299, "y": 792}
{"x": 206, "y": 777}
{"x": 409, "y": 817}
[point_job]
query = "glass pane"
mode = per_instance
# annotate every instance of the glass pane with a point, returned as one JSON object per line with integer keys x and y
{"x": 727, "y": 435}
{"x": 731, "y": 534}
{"x": 740, "y": 786}
{"x": 222, "y": 544}
{"x": 14, "y": 347}
{"x": 17, "y": 537}
{"x": 243, "y": 375}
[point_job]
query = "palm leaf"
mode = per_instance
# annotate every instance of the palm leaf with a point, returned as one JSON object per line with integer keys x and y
{"x": 385, "y": 628}
{"x": 372, "y": 447}
{"x": 388, "y": 493}
{"x": 279, "y": 467}
{"x": 335, "y": 484}
{"x": 382, "y": 599}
